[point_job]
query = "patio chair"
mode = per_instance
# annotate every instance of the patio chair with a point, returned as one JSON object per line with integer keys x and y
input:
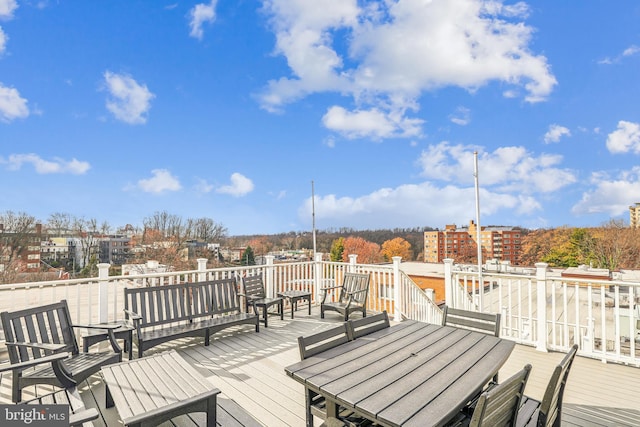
{"x": 548, "y": 412}
{"x": 311, "y": 345}
{"x": 34, "y": 333}
{"x": 498, "y": 406}
{"x": 78, "y": 414}
{"x": 256, "y": 297}
{"x": 364, "y": 326}
{"x": 473, "y": 320}
{"x": 353, "y": 296}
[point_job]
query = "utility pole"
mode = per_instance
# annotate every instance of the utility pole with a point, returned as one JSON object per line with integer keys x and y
{"x": 313, "y": 219}
{"x": 478, "y": 230}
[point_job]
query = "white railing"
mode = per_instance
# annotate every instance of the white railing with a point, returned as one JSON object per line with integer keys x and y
{"x": 553, "y": 313}
{"x": 548, "y": 312}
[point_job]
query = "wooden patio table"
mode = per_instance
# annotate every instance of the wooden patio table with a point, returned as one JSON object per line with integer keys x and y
{"x": 154, "y": 389}
{"x": 411, "y": 374}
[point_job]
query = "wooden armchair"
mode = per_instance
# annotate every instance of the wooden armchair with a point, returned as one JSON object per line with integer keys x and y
{"x": 353, "y": 296}
{"x": 78, "y": 414}
{"x": 548, "y": 412}
{"x": 255, "y": 296}
{"x": 33, "y": 334}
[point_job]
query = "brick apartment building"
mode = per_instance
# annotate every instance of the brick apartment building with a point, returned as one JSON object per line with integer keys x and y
{"x": 501, "y": 243}
{"x": 20, "y": 251}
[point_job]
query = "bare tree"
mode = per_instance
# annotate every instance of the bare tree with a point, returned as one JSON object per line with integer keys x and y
{"x": 206, "y": 230}
{"x": 86, "y": 231}
{"x": 59, "y": 223}
{"x": 16, "y": 236}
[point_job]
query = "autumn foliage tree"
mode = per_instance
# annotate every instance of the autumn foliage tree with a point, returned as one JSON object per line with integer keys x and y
{"x": 368, "y": 252}
{"x": 396, "y": 247}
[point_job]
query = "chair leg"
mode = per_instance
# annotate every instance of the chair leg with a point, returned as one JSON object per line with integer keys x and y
{"x": 281, "y": 308}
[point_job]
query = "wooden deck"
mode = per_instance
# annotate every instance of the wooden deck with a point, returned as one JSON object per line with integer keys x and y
{"x": 248, "y": 367}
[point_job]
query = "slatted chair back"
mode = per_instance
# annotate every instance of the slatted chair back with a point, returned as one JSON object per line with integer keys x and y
{"x": 214, "y": 297}
{"x": 356, "y": 286}
{"x": 365, "y": 325}
{"x": 253, "y": 287}
{"x": 473, "y": 320}
{"x": 498, "y": 407}
{"x": 322, "y": 341}
{"x": 155, "y": 306}
{"x": 551, "y": 405}
{"x": 48, "y": 324}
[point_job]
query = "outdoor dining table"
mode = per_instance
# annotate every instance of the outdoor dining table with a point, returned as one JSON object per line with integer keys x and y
{"x": 411, "y": 374}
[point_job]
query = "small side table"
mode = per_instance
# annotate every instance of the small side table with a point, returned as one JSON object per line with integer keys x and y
{"x": 294, "y": 297}
{"x": 124, "y": 332}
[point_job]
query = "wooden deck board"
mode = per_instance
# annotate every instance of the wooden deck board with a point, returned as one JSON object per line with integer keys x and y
{"x": 248, "y": 367}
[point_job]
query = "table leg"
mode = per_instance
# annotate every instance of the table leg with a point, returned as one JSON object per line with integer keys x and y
{"x": 108, "y": 398}
{"x": 309, "y": 306}
{"x": 211, "y": 412}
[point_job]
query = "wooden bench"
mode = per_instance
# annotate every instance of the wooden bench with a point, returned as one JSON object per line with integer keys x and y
{"x": 165, "y": 313}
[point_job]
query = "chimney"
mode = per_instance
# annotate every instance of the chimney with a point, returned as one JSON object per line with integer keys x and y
{"x": 38, "y": 229}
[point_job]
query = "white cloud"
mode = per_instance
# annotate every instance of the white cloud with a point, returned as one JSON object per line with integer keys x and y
{"x": 412, "y": 205}
{"x": 202, "y": 186}
{"x": 399, "y": 49}
{"x": 7, "y": 7}
{"x": 160, "y": 182}
{"x": 370, "y": 123}
{"x": 461, "y": 117}
{"x": 240, "y": 186}
{"x": 611, "y": 195}
{"x": 12, "y": 105}
{"x": 630, "y": 51}
{"x": 41, "y": 166}
{"x": 510, "y": 169}
{"x": 200, "y": 14}
{"x": 3, "y": 41}
{"x": 555, "y": 133}
{"x": 626, "y": 138}
{"x": 129, "y": 101}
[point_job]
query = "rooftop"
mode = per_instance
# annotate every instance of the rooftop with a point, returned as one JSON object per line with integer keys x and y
{"x": 248, "y": 367}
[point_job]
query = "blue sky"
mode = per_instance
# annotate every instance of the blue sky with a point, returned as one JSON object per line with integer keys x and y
{"x": 230, "y": 109}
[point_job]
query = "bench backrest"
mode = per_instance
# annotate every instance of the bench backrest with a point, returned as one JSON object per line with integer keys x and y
{"x": 158, "y": 305}
{"x": 214, "y": 298}
{"x": 356, "y": 284}
{"x": 253, "y": 287}
{"x": 47, "y": 324}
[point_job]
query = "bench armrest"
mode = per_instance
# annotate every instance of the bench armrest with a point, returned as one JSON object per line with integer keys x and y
{"x": 326, "y": 292}
{"x": 33, "y": 362}
{"x": 132, "y": 314}
{"x": 330, "y": 287}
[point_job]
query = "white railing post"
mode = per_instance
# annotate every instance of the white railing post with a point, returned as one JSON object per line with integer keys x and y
{"x": 449, "y": 291}
{"x": 541, "y": 306}
{"x": 103, "y": 293}
{"x": 352, "y": 262}
{"x": 269, "y": 275}
{"x": 202, "y": 269}
{"x": 318, "y": 277}
{"x": 397, "y": 289}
